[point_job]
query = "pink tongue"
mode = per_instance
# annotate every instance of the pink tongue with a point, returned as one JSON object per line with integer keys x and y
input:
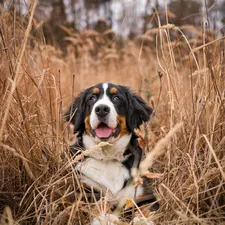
{"x": 103, "y": 132}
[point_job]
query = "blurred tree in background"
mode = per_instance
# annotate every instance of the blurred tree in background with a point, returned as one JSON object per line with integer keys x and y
{"x": 126, "y": 18}
{"x": 55, "y": 13}
{"x": 186, "y": 12}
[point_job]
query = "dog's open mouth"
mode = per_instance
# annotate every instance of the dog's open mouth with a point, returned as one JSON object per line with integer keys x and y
{"x": 104, "y": 132}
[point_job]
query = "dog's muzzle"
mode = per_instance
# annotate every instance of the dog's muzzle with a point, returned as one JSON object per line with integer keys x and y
{"x": 103, "y": 131}
{"x": 102, "y": 111}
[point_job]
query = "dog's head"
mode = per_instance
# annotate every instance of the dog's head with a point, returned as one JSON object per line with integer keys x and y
{"x": 107, "y": 112}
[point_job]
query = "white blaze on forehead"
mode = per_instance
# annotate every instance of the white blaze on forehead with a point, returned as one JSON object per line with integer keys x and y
{"x": 111, "y": 118}
{"x": 105, "y": 87}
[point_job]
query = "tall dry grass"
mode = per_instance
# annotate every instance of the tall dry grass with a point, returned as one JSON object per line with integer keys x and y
{"x": 183, "y": 78}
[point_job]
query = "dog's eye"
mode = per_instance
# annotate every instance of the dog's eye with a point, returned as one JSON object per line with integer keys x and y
{"x": 93, "y": 98}
{"x": 116, "y": 98}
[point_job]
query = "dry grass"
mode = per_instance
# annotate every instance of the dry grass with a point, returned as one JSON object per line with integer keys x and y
{"x": 38, "y": 184}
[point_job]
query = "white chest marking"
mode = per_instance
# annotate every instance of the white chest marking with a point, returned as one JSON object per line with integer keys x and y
{"x": 111, "y": 174}
{"x": 114, "y": 152}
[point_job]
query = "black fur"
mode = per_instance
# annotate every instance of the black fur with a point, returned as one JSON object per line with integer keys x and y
{"x": 76, "y": 112}
{"x": 139, "y": 111}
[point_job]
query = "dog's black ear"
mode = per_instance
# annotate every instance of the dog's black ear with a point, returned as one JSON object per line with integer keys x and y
{"x": 138, "y": 111}
{"x": 75, "y": 113}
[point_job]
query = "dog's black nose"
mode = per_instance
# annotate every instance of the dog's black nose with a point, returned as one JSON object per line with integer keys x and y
{"x": 102, "y": 110}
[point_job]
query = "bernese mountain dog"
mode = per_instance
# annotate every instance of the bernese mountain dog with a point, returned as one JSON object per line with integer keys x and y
{"x": 109, "y": 113}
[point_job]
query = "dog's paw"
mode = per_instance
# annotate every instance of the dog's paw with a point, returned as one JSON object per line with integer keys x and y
{"x": 105, "y": 219}
{"x": 141, "y": 221}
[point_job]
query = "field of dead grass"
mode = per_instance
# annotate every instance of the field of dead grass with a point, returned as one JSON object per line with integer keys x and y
{"x": 182, "y": 78}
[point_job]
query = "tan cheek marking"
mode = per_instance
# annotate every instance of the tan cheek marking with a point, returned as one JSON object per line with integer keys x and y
{"x": 123, "y": 125}
{"x": 87, "y": 125}
{"x": 113, "y": 90}
{"x": 96, "y": 90}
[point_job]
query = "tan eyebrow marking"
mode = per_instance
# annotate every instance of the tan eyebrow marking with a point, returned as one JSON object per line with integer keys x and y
{"x": 113, "y": 90}
{"x": 96, "y": 91}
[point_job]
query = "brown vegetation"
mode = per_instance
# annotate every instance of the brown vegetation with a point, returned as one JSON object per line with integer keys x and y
{"x": 183, "y": 79}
